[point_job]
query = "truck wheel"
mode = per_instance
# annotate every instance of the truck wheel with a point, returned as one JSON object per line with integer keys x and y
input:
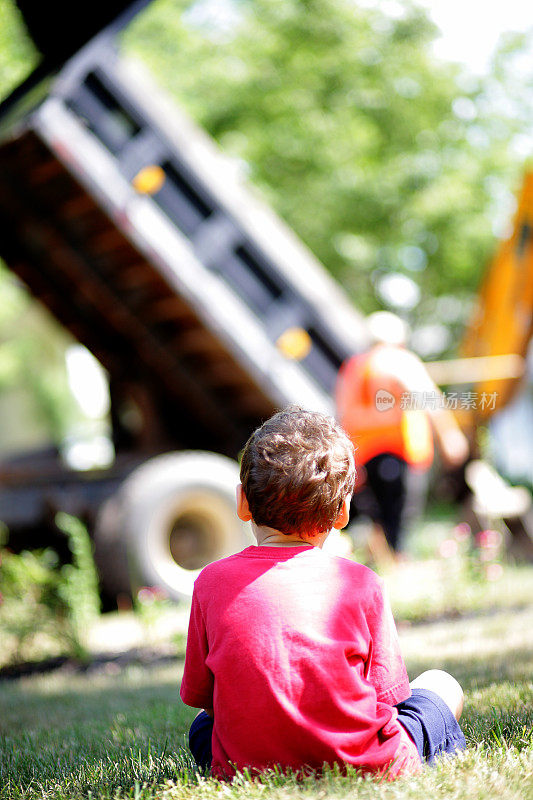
{"x": 171, "y": 516}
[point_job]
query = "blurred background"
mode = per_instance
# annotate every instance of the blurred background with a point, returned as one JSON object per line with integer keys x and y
{"x": 392, "y": 140}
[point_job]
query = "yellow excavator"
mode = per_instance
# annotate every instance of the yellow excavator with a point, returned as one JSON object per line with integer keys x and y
{"x": 497, "y": 337}
{"x": 493, "y": 361}
{"x": 502, "y": 323}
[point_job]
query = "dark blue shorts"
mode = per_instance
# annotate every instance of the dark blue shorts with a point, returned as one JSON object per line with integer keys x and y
{"x": 425, "y": 716}
{"x": 431, "y": 724}
{"x": 200, "y": 740}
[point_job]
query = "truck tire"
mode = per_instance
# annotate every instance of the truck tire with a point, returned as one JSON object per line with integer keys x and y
{"x": 173, "y": 515}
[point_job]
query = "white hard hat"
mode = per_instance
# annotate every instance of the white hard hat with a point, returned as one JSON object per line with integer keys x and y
{"x": 386, "y": 327}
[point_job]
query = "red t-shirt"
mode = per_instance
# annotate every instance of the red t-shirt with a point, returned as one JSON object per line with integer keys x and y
{"x": 297, "y": 653}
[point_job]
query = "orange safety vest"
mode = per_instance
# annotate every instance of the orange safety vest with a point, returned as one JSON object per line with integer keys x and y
{"x": 369, "y": 409}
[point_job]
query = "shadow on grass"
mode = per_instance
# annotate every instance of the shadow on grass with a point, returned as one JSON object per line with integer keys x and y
{"x": 83, "y": 736}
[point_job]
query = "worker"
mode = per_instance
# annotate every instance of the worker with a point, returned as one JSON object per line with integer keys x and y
{"x": 393, "y": 411}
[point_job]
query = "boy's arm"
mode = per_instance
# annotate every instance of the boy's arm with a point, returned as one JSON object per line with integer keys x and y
{"x": 197, "y": 684}
{"x": 385, "y": 669}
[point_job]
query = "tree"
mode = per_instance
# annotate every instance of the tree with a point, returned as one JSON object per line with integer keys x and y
{"x": 34, "y": 391}
{"x": 381, "y": 158}
{"x": 17, "y": 53}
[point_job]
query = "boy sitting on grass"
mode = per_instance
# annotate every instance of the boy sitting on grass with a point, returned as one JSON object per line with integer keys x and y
{"x": 293, "y": 653}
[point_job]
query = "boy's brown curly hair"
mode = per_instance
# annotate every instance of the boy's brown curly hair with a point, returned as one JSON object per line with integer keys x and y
{"x": 296, "y": 470}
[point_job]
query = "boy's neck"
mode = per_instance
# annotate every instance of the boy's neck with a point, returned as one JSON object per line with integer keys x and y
{"x": 270, "y": 537}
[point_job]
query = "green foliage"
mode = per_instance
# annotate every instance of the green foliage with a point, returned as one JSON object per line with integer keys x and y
{"x": 150, "y": 604}
{"x": 31, "y": 605}
{"x": 79, "y": 581}
{"x": 33, "y": 377}
{"x": 17, "y": 53}
{"x": 46, "y": 608}
{"x": 381, "y": 158}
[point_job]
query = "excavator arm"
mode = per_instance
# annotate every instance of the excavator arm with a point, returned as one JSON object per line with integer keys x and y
{"x": 502, "y": 322}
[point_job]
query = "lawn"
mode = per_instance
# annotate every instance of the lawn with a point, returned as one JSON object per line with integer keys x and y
{"x": 118, "y": 730}
{"x": 112, "y": 733}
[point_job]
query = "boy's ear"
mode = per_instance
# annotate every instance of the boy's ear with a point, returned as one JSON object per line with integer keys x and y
{"x": 243, "y": 511}
{"x": 344, "y": 514}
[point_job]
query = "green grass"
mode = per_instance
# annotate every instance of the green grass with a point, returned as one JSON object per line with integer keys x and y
{"x": 111, "y": 734}
{"x": 122, "y": 734}
{"x": 426, "y": 590}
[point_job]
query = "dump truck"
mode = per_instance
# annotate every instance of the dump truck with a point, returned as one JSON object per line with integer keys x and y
{"x": 127, "y": 224}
